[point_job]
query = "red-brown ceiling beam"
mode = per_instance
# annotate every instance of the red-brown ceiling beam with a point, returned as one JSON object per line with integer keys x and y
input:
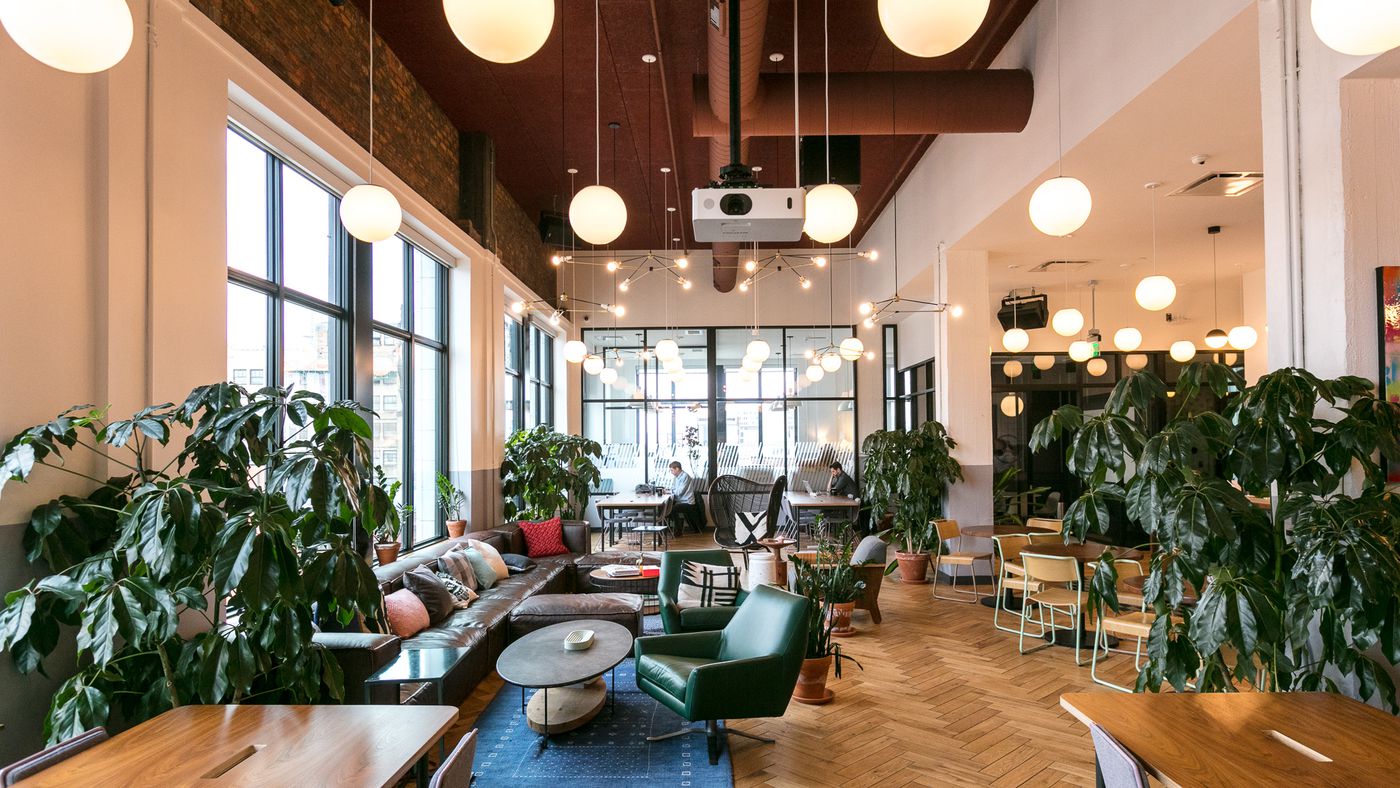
{"x": 753, "y": 25}
{"x": 929, "y": 102}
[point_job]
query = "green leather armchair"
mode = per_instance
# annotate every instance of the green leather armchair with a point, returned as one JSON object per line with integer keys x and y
{"x": 675, "y": 619}
{"x": 748, "y": 669}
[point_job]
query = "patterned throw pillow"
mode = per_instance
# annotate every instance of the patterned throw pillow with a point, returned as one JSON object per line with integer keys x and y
{"x": 749, "y": 527}
{"x": 708, "y": 585}
{"x": 464, "y": 596}
{"x": 544, "y": 538}
{"x": 455, "y": 563}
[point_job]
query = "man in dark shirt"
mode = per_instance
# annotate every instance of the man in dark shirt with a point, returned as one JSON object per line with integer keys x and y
{"x": 841, "y": 483}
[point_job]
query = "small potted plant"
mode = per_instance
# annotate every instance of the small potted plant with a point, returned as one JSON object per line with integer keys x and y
{"x": 817, "y": 581}
{"x": 843, "y": 585}
{"x": 452, "y": 501}
{"x": 386, "y": 534}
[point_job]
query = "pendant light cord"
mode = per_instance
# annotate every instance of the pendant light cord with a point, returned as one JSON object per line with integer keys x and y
{"x": 371, "y": 91}
{"x": 826, "y": 85}
{"x": 796, "y": 108}
{"x": 1215, "y": 279}
{"x": 597, "y": 96}
{"x": 1059, "y": 94}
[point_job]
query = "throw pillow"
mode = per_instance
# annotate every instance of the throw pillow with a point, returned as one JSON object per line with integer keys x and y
{"x": 708, "y": 585}
{"x": 517, "y": 563}
{"x": 544, "y": 538}
{"x": 464, "y": 596}
{"x": 492, "y": 556}
{"x": 424, "y": 583}
{"x": 485, "y": 574}
{"x": 455, "y": 563}
{"x": 406, "y": 614}
{"x": 749, "y": 527}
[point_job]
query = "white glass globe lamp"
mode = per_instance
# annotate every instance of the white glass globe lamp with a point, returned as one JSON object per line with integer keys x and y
{"x": 831, "y": 362}
{"x": 931, "y": 28}
{"x": 608, "y": 376}
{"x": 1182, "y": 350}
{"x": 1243, "y": 337}
{"x": 1067, "y": 322}
{"x": 1044, "y": 363}
{"x": 574, "y": 351}
{"x": 370, "y": 213}
{"x": 831, "y": 213}
{"x": 1216, "y": 338}
{"x": 1127, "y": 339}
{"x": 852, "y": 348}
{"x": 1136, "y": 361}
{"x": 667, "y": 349}
{"x": 1015, "y": 340}
{"x": 1357, "y": 27}
{"x": 815, "y": 373}
{"x": 758, "y": 350}
{"x": 1060, "y": 206}
{"x": 598, "y": 215}
{"x": 1155, "y": 293}
{"x": 1012, "y": 368}
{"x": 1096, "y": 366}
{"x": 77, "y": 36}
{"x": 1011, "y": 406}
{"x": 500, "y": 32}
{"x": 1081, "y": 350}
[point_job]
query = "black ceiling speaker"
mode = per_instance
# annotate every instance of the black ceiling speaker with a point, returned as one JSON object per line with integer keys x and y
{"x": 1029, "y": 312}
{"x": 845, "y": 160}
{"x": 556, "y": 231}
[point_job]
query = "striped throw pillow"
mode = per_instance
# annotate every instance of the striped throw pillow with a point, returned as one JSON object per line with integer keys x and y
{"x": 749, "y": 527}
{"x": 455, "y": 563}
{"x": 708, "y": 585}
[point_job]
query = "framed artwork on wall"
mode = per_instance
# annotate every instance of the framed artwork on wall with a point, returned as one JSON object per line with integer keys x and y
{"x": 1388, "y": 296}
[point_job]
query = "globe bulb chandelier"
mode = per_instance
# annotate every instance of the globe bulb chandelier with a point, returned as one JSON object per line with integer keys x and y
{"x": 831, "y": 213}
{"x": 1243, "y": 337}
{"x": 1127, "y": 339}
{"x": 1182, "y": 351}
{"x": 593, "y": 365}
{"x": 77, "y": 36}
{"x": 1067, "y": 322}
{"x": 597, "y": 213}
{"x": 1136, "y": 361}
{"x": 815, "y": 373}
{"x": 851, "y": 348}
{"x": 1096, "y": 366}
{"x": 1012, "y": 368}
{"x": 1060, "y": 206}
{"x": 1357, "y": 27}
{"x": 1011, "y": 406}
{"x": 607, "y": 376}
{"x": 667, "y": 349}
{"x": 1216, "y": 338}
{"x": 1080, "y": 350}
{"x": 1015, "y": 340}
{"x": 368, "y": 212}
{"x": 1044, "y": 363}
{"x": 500, "y": 32}
{"x": 758, "y": 350}
{"x": 575, "y": 351}
{"x": 831, "y": 362}
{"x": 931, "y": 28}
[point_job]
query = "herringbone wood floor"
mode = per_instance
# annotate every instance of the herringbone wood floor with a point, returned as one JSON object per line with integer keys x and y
{"x": 944, "y": 699}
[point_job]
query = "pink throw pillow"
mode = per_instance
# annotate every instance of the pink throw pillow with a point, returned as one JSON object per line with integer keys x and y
{"x": 406, "y": 613}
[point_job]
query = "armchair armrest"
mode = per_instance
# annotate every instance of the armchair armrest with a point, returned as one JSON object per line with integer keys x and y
{"x": 688, "y": 644}
{"x": 577, "y": 537}
{"x": 740, "y": 688}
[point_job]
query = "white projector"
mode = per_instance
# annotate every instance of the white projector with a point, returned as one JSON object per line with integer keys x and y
{"x": 739, "y": 214}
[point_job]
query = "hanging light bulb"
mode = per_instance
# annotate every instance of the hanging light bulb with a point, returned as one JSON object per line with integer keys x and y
{"x": 574, "y": 351}
{"x": 851, "y": 348}
{"x": 809, "y": 354}
{"x": 685, "y": 284}
{"x": 819, "y": 262}
{"x": 831, "y": 213}
{"x": 1243, "y": 337}
{"x": 612, "y": 266}
{"x": 1136, "y": 361}
{"x": 1011, "y": 406}
{"x": 1060, "y": 206}
{"x": 607, "y": 376}
{"x": 869, "y": 322}
{"x": 555, "y": 317}
{"x": 619, "y": 310}
{"x": 749, "y": 265}
{"x": 556, "y": 260}
{"x": 1357, "y": 27}
{"x": 370, "y": 213}
{"x": 593, "y": 365}
{"x": 1096, "y": 366}
{"x": 1182, "y": 350}
{"x": 1012, "y": 368}
{"x": 1216, "y": 338}
{"x": 931, "y": 28}
{"x": 865, "y": 307}
{"x": 682, "y": 263}
{"x": 1015, "y": 340}
{"x": 1043, "y": 363}
{"x": 77, "y": 36}
{"x": 1127, "y": 339}
{"x": 1067, "y": 322}
{"x": 667, "y": 349}
{"x": 1081, "y": 350}
{"x": 500, "y": 32}
{"x": 831, "y": 362}
{"x": 1155, "y": 293}
{"x": 759, "y": 350}
{"x": 806, "y": 283}
{"x": 815, "y": 373}
{"x": 869, "y": 355}
{"x": 624, "y": 285}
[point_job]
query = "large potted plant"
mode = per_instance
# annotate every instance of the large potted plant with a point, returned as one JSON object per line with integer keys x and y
{"x": 195, "y": 577}
{"x": 821, "y": 579}
{"x": 547, "y": 473}
{"x": 908, "y": 475}
{"x": 1301, "y": 595}
{"x": 453, "y": 501}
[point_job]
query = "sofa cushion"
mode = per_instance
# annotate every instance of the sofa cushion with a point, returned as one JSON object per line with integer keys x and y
{"x": 542, "y": 610}
{"x": 457, "y": 589}
{"x": 544, "y": 538}
{"x": 424, "y": 584}
{"x": 492, "y": 556}
{"x": 456, "y": 631}
{"x": 481, "y": 568}
{"x": 455, "y": 563}
{"x": 406, "y": 613}
{"x": 513, "y": 538}
{"x": 668, "y": 672}
{"x": 518, "y": 563}
{"x": 708, "y": 585}
{"x": 871, "y": 550}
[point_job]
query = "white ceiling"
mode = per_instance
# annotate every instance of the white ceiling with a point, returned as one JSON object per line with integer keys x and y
{"x": 1208, "y": 104}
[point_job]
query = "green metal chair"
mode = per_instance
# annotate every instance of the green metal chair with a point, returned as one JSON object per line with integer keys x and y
{"x": 675, "y": 619}
{"x": 748, "y": 669}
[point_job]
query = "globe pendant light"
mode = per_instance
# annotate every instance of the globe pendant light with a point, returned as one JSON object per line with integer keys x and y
{"x": 1011, "y": 406}
{"x": 747, "y": 376}
{"x": 931, "y": 28}
{"x": 1155, "y": 293}
{"x": 1182, "y": 351}
{"x": 830, "y": 209}
{"x": 751, "y": 364}
{"x": 831, "y": 362}
{"x": 1357, "y": 27}
{"x": 758, "y": 350}
{"x": 1061, "y": 205}
{"x": 1096, "y": 366}
{"x": 574, "y": 351}
{"x": 500, "y": 32}
{"x": 672, "y": 364}
{"x": 1067, "y": 322}
{"x": 667, "y": 349}
{"x": 597, "y": 213}
{"x": 815, "y": 373}
{"x": 852, "y": 348}
{"x": 1015, "y": 340}
{"x": 1136, "y": 361}
{"x": 1080, "y": 350}
{"x": 1127, "y": 339}
{"x": 1044, "y": 363}
{"x": 1216, "y": 337}
{"x": 593, "y": 365}
{"x": 1243, "y": 337}
{"x": 607, "y": 376}
{"x": 77, "y": 36}
{"x": 368, "y": 212}
{"x": 1012, "y": 369}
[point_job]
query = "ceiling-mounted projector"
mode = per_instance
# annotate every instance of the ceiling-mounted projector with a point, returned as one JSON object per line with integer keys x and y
{"x": 747, "y": 214}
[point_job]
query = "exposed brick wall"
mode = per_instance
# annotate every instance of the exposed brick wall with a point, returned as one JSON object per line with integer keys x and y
{"x": 321, "y": 51}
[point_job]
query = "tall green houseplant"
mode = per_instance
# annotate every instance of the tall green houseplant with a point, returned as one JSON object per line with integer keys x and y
{"x": 1302, "y": 596}
{"x": 909, "y": 473}
{"x": 547, "y": 473}
{"x": 194, "y": 580}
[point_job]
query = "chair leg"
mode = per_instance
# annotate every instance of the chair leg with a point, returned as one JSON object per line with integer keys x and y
{"x": 1101, "y": 636}
{"x": 674, "y": 734}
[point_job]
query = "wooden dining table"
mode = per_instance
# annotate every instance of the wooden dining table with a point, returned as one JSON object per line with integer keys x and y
{"x": 1138, "y": 582}
{"x": 1002, "y": 529}
{"x": 1248, "y": 738}
{"x": 656, "y": 506}
{"x": 259, "y": 745}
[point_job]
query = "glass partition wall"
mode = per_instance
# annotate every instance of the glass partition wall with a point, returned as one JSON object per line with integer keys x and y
{"x": 713, "y": 416}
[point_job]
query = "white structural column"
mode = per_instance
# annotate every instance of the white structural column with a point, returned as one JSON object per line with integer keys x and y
{"x": 965, "y": 381}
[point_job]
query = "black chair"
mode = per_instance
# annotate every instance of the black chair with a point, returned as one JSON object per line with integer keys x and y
{"x": 456, "y": 771}
{"x": 731, "y": 495}
{"x": 51, "y": 756}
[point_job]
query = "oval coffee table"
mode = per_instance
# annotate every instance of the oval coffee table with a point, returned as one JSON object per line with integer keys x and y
{"x": 538, "y": 661}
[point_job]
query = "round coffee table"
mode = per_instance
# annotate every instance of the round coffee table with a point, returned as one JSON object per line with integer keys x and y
{"x": 539, "y": 661}
{"x": 632, "y": 584}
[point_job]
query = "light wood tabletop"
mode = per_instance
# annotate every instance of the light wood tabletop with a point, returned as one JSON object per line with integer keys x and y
{"x": 1248, "y": 738}
{"x": 259, "y": 745}
{"x": 634, "y": 501}
{"x": 821, "y": 501}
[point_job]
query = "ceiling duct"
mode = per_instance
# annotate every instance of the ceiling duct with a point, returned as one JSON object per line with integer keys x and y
{"x": 1221, "y": 184}
{"x": 1060, "y": 266}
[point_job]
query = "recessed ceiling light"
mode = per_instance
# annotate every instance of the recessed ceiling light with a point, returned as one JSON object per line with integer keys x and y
{"x": 648, "y": 58}
{"x": 776, "y": 57}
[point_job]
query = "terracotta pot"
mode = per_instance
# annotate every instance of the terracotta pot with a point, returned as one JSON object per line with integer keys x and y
{"x": 839, "y": 618}
{"x": 456, "y": 528}
{"x": 913, "y": 567}
{"x": 811, "y": 682}
{"x": 387, "y": 552}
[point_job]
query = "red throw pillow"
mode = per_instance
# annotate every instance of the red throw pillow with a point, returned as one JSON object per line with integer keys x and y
{"x": 544, "y": 538}
{"x": 406, "y": 613}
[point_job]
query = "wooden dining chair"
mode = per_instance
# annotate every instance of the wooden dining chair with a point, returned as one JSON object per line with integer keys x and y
{"x": 1040, "y": 538}
{"x": 948, "y": 532}
{"x": 1062, "y": 592}
{"x": 1011, "y": 575}
{"x": 1057, "y": 526}
{"x": 1132, "y": 621}
{"x": 51, "y": 756}
{"x": 1117, "y": 766}
{"x": 456, "y": 771}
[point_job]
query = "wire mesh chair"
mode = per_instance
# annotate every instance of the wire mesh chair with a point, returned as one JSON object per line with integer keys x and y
{"x": 730, "y": 496}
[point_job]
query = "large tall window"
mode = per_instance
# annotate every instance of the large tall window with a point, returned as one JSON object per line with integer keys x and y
{"x": 292, "y": 274}
{"x": 529, "y": 367}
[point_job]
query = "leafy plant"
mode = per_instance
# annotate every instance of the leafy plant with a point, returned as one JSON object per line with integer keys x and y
{"x": 248, "y": 528}
{"x": 909, "y": 473}
{"x": 691, "y": 439}
{"x": 1010, "y": 504}
{"x": 827, "y": 580}
{"x": 1300, "y": 597}
{"x": 388, "y": 531}
{"x": 545, "y": 473}
{"x": 451, "y": 499}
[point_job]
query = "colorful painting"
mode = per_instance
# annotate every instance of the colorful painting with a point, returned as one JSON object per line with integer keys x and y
{"x": 1388, "y": 292}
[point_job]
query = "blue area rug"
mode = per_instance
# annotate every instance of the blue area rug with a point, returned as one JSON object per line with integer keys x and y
{"x": 611, "y": 751}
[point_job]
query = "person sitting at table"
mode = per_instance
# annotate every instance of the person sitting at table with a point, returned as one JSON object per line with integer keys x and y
{"x": 686, "y": 510}
{"x": 841, "y": 483}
